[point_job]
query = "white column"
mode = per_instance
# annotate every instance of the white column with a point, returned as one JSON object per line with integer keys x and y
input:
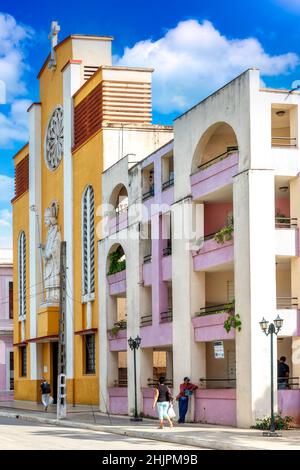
{"x": 255, "y": 291}
{"x": 188, "y": 296}
{"x": 34, "y": 201}
{"x": 71, "y": 83}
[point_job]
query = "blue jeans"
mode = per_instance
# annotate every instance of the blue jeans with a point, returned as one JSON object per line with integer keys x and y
{"x": 183, "y": 407}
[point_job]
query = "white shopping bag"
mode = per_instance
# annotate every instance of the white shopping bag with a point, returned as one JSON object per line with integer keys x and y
{"x": 50, "y": 400}
{"x": 171, "y": 412}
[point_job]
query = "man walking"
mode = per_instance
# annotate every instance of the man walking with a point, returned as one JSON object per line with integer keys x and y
{"x": 46, "y": 390}
{"x": 283, "y": 373}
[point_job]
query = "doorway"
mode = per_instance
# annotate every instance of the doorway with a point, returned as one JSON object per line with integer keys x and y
{"x": 54, "y": 360}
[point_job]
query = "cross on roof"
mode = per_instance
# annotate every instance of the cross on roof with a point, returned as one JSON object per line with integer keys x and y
{"x": 53, "y": 36}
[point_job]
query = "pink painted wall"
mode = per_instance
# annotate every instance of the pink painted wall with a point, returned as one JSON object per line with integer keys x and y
{"x": 213, "y": 254}
{"x": 148, "y": 395}
{"x": 117, "y": 283}
{"x": 215, "y": 177}
{"x": 119, "y": 222}
{"x": 216, "y": 406}
{"x": 6, "y": 327}
{"x": 167, "y": 268}
{"x": 289, "y": 404}
{"x": 118, "y": 400}
{"x": 118, "y": 342}
{"x": 211, "y": 328}
{"x": 215, "y": 216}
{"x": 158, "y": 334}
{"x": 283, "y": 205}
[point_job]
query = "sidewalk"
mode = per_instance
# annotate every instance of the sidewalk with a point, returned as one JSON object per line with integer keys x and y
{"x": 198, "y": 435}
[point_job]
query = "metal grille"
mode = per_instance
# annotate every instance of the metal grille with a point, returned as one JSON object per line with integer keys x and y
{"x": 23, "y": 357}
{"x": 22, "y": 276}
{"x": 90, "y": 364}
{"x": 88, "y": 239}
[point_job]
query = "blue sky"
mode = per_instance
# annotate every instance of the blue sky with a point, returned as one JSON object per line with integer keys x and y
{"x": 194, "y": 46}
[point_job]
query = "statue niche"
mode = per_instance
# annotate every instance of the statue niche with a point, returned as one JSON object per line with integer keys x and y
{"x": 50, "y": 253}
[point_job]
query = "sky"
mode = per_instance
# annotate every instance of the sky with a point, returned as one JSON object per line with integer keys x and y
{"x": 195, "y": 47}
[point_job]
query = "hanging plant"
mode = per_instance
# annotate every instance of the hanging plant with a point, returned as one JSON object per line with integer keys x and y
{"x": 233, "y": 321}
{"x": 225, "y": 234}
{"x": 117, "y": 261}
{"x": 118, "y": 326}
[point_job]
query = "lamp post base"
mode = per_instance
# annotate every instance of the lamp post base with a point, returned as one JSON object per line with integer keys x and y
{"x": 136, "y": 418}
{"x": 271, "y": 434}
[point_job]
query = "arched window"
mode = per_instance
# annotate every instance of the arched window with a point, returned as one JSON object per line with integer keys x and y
{"x": 88, "y": 245}
{"x": 22, "y": 275}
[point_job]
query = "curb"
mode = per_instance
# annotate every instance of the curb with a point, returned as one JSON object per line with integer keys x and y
{"x": 189, "y": 441}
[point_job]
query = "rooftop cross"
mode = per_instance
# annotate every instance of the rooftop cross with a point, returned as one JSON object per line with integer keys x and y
{"x": 53, "y": 36}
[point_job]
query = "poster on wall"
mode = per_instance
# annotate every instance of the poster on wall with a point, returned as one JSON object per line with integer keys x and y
{"x": 219, "y": 349}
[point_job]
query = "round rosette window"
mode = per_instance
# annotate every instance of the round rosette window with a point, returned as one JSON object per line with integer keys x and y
{"x": 54, "y": 142}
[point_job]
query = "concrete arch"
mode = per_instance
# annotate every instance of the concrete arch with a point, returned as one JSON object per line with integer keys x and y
{"x": 215, "y": 141}
{"x": 114, "y": 247}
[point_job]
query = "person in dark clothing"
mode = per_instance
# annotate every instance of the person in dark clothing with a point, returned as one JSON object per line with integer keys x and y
{"x": 162, "y": 400}
{"x": 186, "y": 391}
{"x": 46, "y": 390}
{"x": 283, "y": 372}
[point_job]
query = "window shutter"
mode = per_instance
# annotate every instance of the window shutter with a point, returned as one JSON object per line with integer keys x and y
{"x": 22, "y": 276}
{"x": 88, "y": 242}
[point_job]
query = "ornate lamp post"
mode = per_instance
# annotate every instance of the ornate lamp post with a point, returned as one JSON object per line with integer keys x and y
{"x": 134, "y": 344}
{"x": 271, "y": 329}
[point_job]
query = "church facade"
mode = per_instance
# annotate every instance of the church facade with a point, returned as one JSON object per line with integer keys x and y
{"x": 90, "y": 115}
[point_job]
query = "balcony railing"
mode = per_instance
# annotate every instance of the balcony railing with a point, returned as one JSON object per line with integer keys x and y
{"x": 215, "y": 309}
{"x": 287, "y": 303}
{"x": 220, "y": 157}
{"x": 284, "y": 141}
{"x": 286, "y": 222}
{"x": 146, "y": 320}
{"x": 149, "y": 193}
{"x": 152, "y": 382}
{"x": 120, "y": 383}
{"x": 230, "y": 383}
{"x": 166, "y": 317}
{"x": 290, "y": 383}
{"x": 167, "y": 251}
{"x": 168, "y": 184}
{"x": 147, "y": 259}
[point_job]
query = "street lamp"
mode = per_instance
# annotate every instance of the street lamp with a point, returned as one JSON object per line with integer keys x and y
{"x": 271, "y": 329}
{"x": 134, "y": 344}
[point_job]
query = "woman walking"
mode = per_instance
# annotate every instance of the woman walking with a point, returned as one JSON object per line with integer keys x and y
{"x": 162, "y": 400}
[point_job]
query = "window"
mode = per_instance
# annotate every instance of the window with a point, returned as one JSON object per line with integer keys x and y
{"x": 11, "y": 370}
{"x": 23, "y": 361}
{"x": 10, "y": 300}
{"x": 22, "y": 275}
{"x": 88, "y": 245}
{"x": 90, "y": 367}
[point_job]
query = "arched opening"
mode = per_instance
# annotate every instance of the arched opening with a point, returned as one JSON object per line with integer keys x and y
{"x": 218, "y": 142}
{"x": 119, "y": 199}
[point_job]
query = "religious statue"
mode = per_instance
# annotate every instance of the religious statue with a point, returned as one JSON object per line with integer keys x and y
{"x": 51, "y": 256}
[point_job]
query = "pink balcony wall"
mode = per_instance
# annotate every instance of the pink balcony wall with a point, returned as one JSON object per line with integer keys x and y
{"x": 167, "y": 268}
{"x": 117, "y": 283}
{"x": 156, "y": 335}
{"x": 118, "y": 342}
{"x": 214, "y": 177}
{"x": 118, "y": 222}
{"x": 289, "y": 404}
{"x": 118, "y": 400}
{"x": 148, "y": 395}
{"x": 211, "y": 328}
{"x": 216, "y": 406}
{"x": 213, "y": 254}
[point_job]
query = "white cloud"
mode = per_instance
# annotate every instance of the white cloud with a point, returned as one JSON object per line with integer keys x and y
{"x": 5, "y": 228}
{"x": 6, "y": 189}
{"x": 13, "y": 39}
{"x": 14, "y": 126}
{"x": 193, "y": 59}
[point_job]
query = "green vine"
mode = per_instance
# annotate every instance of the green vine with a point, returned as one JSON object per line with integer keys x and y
{"x": 233, "y": 321}
{"x": 118, "y": 326}
{"x": 116, "y": 263}
{"x": 225, "y": 234}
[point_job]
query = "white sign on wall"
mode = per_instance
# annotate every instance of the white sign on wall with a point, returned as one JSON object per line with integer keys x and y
{"x": 219, "y": 349}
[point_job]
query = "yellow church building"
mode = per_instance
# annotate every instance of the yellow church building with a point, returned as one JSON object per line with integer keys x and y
{"x": 90, "y": 115}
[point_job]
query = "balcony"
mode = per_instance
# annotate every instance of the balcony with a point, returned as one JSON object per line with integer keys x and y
{"x": 166, "y": 317}
{"x": 117, "y": 283}
{"x": 286, "y": 236}
{"x": 284, "y": 142}
{"x": 146, "y": 320}
{"x": 117, "y": 336}
{"x": 148, "y": 194}
{"x": 147, "y": 270}
{"x": 119, "y": 221}
{"x": 208, "y": 323}
{"x": 215, "y": 174}
{"x": 168, "y": 184}
{"x": 213, "y": 253}
{"x": 288, "y": 310}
